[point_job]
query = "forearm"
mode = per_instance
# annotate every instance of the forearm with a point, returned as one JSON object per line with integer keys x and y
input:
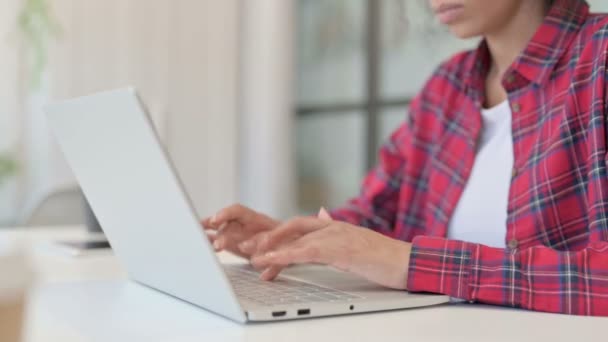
{"x": 537, "y": 278}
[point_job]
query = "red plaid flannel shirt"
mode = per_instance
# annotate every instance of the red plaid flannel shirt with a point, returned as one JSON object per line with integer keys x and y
{"x": 556, "y": 258}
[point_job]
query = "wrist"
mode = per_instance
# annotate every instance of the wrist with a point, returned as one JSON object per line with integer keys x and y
{"x": 401, "y": 261}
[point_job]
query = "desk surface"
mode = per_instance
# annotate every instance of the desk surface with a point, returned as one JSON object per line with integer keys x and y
{"x": 89, "y": 299}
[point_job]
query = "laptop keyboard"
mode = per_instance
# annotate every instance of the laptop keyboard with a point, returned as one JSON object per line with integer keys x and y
{"x": 282, "y": 291}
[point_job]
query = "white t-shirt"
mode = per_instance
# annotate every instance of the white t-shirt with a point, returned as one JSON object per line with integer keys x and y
{"x": 481, "y": 212}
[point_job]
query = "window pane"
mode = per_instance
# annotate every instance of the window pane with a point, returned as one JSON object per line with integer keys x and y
{"x": 413, "y": 46}
{"x": 330, "y": 158}
{"x": 330, "y": 51}
{"x": 598, "y": 5}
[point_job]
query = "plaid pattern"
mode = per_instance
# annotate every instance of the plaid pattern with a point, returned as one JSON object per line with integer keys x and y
{"x": 556, "y": 258}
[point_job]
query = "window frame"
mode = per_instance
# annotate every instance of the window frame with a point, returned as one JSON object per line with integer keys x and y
{"x": 374, "y": 103}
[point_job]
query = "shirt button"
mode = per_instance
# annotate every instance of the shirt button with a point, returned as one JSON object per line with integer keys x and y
{"x": 514, "y": 173}
{"x": 516, "y": 107}
{"x": 510, "y": 78}
{"x": 513, "y": 244}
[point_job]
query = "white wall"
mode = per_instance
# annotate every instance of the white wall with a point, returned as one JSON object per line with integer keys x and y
{"x": 183, "y": 58}
{"x": 10, "y": 107}
{"x": 203, "y": 93}
{"x": 267, "y": 170}
{"x": 10, "y": 80}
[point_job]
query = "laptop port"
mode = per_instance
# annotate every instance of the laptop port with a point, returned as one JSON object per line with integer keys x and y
{"x": 279, "y": 313}
{"x": 303, "y": 312}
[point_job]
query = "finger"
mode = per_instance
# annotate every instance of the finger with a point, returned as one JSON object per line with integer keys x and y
{"x": 289, "y": 256}
{"x": 271, "y": 273}
{"x": 222, "y": 245}
{"x": 324, "y": 215}
{"x": 210, "y": 223}
{"x": 206, "y": 222}
{"x": 261, "y": 267}
{"x": 250, "y": 245}
{"x": 211, "y": 237}
{"x": 234, "y": 212}
{"x": 218, "y": 243}
{"x": 229, "y": 235}
{"x": 289, "y": 231}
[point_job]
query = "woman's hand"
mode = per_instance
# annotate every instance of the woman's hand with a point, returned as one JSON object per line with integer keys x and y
{"x": 346, "y": 247}
{"x": 232, "y": 225}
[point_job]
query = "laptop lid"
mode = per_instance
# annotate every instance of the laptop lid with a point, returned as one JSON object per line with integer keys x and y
{"x": 116, "y": 156}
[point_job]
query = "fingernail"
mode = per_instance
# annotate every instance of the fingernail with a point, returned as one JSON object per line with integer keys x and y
{"x": 270, "y": 255}
{"x": 213, "y": 218}
{"x": 217, "y": 244}
{"x": 323, "y": 214}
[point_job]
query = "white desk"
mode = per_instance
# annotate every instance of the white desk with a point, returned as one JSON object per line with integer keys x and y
{"x": 89, "y": 299}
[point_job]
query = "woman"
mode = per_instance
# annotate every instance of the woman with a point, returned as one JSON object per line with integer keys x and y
{"x": 495, "y": 190}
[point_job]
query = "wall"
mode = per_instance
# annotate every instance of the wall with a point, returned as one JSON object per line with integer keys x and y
{"x": 267, "y": 169}
{"x": 10, "y": 92}
{"x": 9, "y": 82}
{"x": 183, "y": 58}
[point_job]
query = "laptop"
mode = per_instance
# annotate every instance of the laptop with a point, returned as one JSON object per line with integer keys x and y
{"x": 126, "y": 175}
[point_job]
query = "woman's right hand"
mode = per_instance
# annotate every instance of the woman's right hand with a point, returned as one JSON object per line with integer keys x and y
{"x": 235, "y": 224}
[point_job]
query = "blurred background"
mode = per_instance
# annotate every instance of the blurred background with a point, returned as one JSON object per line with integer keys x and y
{"x": 278, "y": 104}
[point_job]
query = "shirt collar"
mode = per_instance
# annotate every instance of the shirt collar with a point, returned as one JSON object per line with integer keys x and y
{"x": 538, "y": 60}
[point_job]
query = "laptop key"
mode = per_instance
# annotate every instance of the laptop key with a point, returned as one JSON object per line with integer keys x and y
{"x": 247, "y": 285}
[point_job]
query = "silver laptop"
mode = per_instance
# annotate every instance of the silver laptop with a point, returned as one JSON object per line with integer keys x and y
{"x": 114, "y": 151}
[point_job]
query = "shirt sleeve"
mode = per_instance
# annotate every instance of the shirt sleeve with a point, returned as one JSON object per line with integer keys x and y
{"x": 377, "y": 204}
{"x": 538, "y": 278}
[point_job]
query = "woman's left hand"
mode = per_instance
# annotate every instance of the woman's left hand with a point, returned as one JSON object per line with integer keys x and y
{"x": 347, "y": 247}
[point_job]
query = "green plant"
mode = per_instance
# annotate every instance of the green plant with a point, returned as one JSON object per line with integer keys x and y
{"x": 37, "y": 26}
{"x": 8, "y": 167}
